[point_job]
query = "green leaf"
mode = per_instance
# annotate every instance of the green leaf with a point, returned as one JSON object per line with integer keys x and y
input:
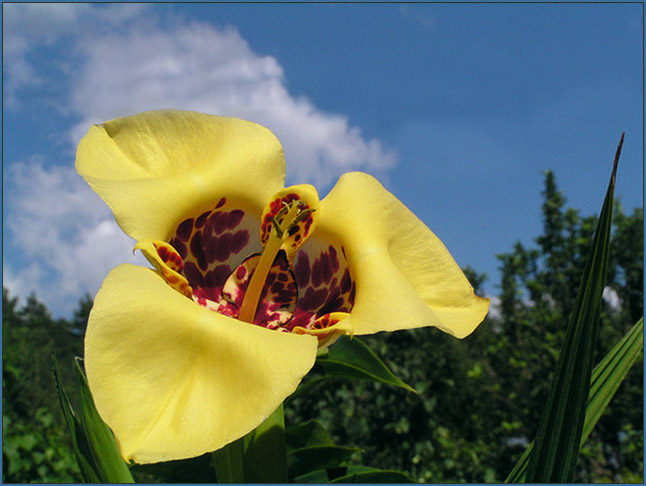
{"x": 265, "y": 454}
{"x": 606, "y": 378}
{"x": 195, "y": 470}
{"x": 362, "y": 474}
{"x": 351, "y": 358}
{"x": 228, "y": 463}
{"x": 610, "y": 372}
{"x": 258, "y": 457}
{"x": 94, "y": 446}
{"x": 310, "y": 433}
{"x": 79, "y": 442}
{"x": 106, "y": 459}
{"x": 557, "y": 443}
{"x": 313, "y": 458}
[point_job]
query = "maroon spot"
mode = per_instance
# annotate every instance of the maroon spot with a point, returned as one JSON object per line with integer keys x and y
{"x": 276, "y": 287}
{"x": 321, "y": 270}
{"x": 241, "y": 272}
{"x": 346, "y": 281}
{"x": 221, "y": 203}
{"x": 282, "y": 277}
{"x": 193, "y": 275}
{"x": 184, "y": 229}
{"x": 317, "y": 270}
{"x": 313, "y": 299}
{"x": 334, "y": 261}
{"x": 332, "y": 305}
{"x": 234, "y": 218}
{"x": 223, "y": 248}
{"x": 163, "y": 253}
{"x": 197, "y": 249}
{"x": 217, "y": 221}
{"x": 239, "y": 241}
{"x": 301, "y": 318}
{"x": 270, "y": 279}
{"x": 196, "y": 244}
{"x": 181, "y": 249}
{"x": 211, "y": 248}
{"x": 352, "y": 294}
{"x": 202, "y": 219}
{"x": 302, "y": 269}
{"x": 285, "y": 296}
{"x": 207, "y": 293}
{"x": 218, "y": 276}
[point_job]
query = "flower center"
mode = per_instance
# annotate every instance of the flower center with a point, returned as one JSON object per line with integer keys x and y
{"x": 283, "y": 227}
{"x": 268, "y": 281}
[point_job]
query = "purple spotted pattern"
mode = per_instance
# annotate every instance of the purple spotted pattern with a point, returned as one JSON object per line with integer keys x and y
{"x": 278, "y": 296}
{"x": 220, "y": 255}
{"x": 212, "y": 245}
{"x": 324, "y": 284}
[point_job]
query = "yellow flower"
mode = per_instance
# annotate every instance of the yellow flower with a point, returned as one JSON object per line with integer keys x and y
{"x": 250, "y": 279}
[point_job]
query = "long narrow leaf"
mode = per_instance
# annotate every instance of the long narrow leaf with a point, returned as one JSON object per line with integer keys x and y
{"x": 93, "y": 443}
{"x": 558, "y": 439}
{"x": 606, "y": 378}
{"x": 79, "y": 443}
{"x": 109, "y": 465}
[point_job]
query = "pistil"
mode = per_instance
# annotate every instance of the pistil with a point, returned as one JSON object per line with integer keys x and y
{"x": 281, "y": 228}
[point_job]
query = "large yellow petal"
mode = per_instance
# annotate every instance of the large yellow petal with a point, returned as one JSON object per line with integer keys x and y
{"x": 405, "y": 277}
{"x": 157, "y": 168}
{"x": 175, "y": 380}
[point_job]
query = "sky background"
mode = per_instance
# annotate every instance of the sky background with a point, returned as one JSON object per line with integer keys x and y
{"x": 456, "y": 108}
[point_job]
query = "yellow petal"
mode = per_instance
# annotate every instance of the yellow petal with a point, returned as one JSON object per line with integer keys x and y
{"x": 405, "y": 276}
{"x": 158, "y": 168}
{"x": 175, "y": 380}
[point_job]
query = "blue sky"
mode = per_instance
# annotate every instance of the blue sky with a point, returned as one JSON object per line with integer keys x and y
{"x": 457, "y": 108}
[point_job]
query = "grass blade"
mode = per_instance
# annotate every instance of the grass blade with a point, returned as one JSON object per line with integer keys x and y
{"x": 606, "y": 378}
{"x": 557, "y": 443}
{"x": 106, "y": 459}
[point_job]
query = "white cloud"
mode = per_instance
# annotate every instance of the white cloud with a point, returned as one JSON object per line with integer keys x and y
{"x": 195, "y": 66}
{"x": 64, "y": 230}
{"x": 28, "y": 27}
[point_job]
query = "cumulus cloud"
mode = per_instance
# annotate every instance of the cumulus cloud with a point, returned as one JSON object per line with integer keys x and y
{"x": 28, "y": 27}
{"x": 117, "y": 60}
{"x": 195, "y": 66}
{"x": 64, "y": 231}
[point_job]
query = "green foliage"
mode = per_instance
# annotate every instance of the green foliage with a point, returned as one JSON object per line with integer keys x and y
{"x": 480, "y": 399}
{"x": 92, "y": 440}
{"x": 556, "y": 447}
{"x": 36, "y": 445}
{"x": 607, "y": 376}
{"x": 478, "y": 403}
{"x": 36, "y": 449}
